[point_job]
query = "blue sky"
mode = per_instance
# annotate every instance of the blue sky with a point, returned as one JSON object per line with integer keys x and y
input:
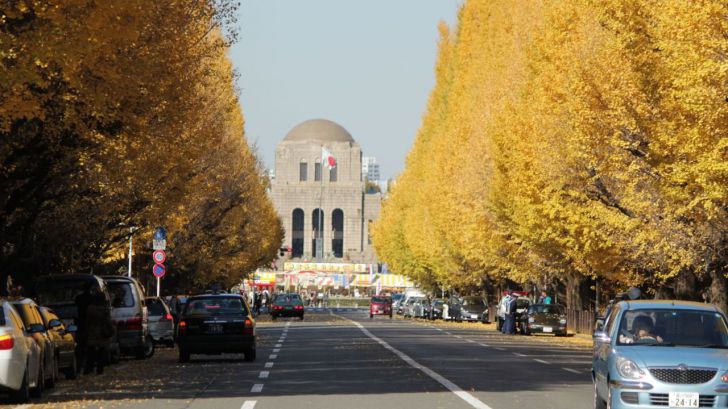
{"x": 365, "y": 64}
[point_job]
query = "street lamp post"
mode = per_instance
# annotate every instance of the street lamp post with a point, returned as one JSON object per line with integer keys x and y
{"x": 132, "y": 229}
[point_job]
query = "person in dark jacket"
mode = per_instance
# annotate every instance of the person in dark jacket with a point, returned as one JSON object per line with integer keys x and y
{"x": 100, "y": 330}
{"x": 510, "y": 322}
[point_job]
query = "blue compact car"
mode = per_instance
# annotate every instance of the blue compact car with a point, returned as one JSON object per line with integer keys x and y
{"x": 661, "y": 354}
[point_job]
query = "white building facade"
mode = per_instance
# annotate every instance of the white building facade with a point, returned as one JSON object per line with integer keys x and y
{"x": 315, "y": 202}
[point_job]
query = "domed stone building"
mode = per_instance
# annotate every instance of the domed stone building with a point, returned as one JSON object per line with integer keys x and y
{"x": 314, "y": 201}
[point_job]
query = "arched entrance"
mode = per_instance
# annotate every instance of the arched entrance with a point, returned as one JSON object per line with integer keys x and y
{"x": 297, "y": 232}
{"x": 318, "y": 232}
{"x": 337, "y": 241}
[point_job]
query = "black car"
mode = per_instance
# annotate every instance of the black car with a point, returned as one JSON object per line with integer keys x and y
{"x": 64, "y": 342}
{"x": 544, "y": 319}
{"x": 473, "y": 308}
{"x": 433, "y": 310}
{"x": 216, "y": 324}
{"x": 287, "y": 305}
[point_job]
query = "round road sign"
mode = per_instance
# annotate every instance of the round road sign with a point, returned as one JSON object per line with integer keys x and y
{"x": 159, "y": 270}
{"x": 159, "y": 256}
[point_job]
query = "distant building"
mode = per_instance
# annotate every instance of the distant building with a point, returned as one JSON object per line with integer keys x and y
{"x": 303, "y": 191}
{"x": 370, "y": 168}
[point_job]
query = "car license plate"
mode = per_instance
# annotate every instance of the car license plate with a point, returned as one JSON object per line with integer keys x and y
{"x": 288, "y": 307}
{"x": 548, "y": 329}
{"x": 683, "y": 400}
{"x": 214, "y": 329}
{"x": 474, "y": 316}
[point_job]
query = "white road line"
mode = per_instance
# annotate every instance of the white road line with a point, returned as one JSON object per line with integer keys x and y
{"x": 470, "y": 399}
{"x": 518, "y": 354}
{"x": 439, "y": 329}
{"x": 484, "y": 345}
{"x": 571, "y": 370}
{"x": 277, "y": 350}
{"x": 458, "y": 336}
{"x": 470, "y": 340}
{"x": 542, "y": 361}
{"x": 288, "y": 324}
{"x": 500, "y": 349}
{"x": 269, "y": 364}
{"x": 249, "y": 404}
{"x": 272, "y": 356}
{"x": 279, "y": 345}
{"x": 448, "y": 333}
{"x": 263, "y": 374}
{"x": 257, "y": 388}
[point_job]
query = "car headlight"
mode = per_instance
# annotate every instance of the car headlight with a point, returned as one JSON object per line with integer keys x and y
{"x": 562, "y": 321}
{"x": 530, "y": 319}
{"x": 628, "y": 369}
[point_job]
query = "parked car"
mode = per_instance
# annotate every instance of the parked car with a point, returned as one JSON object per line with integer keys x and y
{"x": 130, "y": 316}
{"x": 64, "y": 342}
{"x": 412, "y": 305}
{"x": 451, "y": 309}
{"x": 161, "y": 322}
{"x": 433, "y": 310}
{"x": 544, "y": 319}
{"x": 59, "y": 294}
{"x": 380, "y": 305}
{"x": 396, "y": 302}
{"x": 472, "y": 308}
{"x": 287, "y": 305}
{"x": 21, "y": 358}
{"x": 661, "y": 354}
{"x": 215, "y": 324}
{"x": 34, "y": 325}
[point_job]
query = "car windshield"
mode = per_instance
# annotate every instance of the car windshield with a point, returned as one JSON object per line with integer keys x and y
{"x": 547, "y": 309}
{"x": 207, "y": 307}
{"x": 397, "y": 297}
{"x": 380, "y": 300}
{"x": 522, "y": 303}
{"x": 121, "y": 294}
{"x": 155, "y": 307}
{"x": 471, "y": 301}
{"x": 60, "y": 291}
{"x": 673, "y": 327}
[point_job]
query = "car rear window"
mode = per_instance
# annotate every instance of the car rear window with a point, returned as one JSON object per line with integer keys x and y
{"x": 473, "y": 301}
{"x": 155, "y": 307}
{"x": 288, "y": 299}
{"x": 207, "y": 307}
{"x": 121, "y": 295}
{"x": 380, "y": 299}
{"x": 61, "y": 291}
{"x": 547, "y": 309}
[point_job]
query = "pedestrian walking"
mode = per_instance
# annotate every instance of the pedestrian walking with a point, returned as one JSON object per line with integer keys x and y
{"x": 510, "y": 323}
{"x": 82, "y": 302}
{"x": 502, "y": 308}
{"x": 99, "y": 332}
{"x": 326, "y": 299}
{"x": 257, "y": 302}
{"x": 545, "y": 298}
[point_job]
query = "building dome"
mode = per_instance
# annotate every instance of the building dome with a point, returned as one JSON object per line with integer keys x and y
{"x": 318, "y": 130}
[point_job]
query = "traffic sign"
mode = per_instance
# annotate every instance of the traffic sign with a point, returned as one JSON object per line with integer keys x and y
{"x": 159, "y": 270}
{"x": 159, "y": 244}
{"x": 160, "y": 233}
{"x": 159, "y": 256}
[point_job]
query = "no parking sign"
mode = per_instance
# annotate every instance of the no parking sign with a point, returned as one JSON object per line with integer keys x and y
{"x": 159, "y": 270}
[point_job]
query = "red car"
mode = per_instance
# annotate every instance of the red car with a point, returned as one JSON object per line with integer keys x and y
{"x": 380, "y": 305}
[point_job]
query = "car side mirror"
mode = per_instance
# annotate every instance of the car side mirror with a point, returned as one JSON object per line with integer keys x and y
{"x": 601, "y": 336}
{"x": 599, "y": 324}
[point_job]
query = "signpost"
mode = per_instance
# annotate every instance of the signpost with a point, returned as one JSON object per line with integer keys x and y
{"x": 159, "y": 244}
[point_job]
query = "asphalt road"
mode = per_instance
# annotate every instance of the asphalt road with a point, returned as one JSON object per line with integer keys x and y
{"x": 344, "y": 360}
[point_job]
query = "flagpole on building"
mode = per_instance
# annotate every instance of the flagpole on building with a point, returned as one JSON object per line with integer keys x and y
{"x": 319, "y": 239}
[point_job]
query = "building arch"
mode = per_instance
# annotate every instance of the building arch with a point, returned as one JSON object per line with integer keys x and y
{"x": 297, "y": 232}
{"x": 337, "y": 233}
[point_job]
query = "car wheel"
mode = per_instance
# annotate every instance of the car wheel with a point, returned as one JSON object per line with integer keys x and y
{"x": 371, "y": 316}
{"x": 273, "y": 317}
{"x": 249, "y": 355}
{"x": 22, "y": 395}
{"x": 37, "y": 392}
{"x": 184, "y": 355}
{"x": 146, "y": 350}
{"x": 598, "y": 402}
{"x": 70, "y": 373}
{"x": 498, "y": 324}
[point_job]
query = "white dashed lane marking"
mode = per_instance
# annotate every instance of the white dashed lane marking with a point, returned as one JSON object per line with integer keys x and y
{"x": 263, "y": 374}
{"x": 257, "y": 388}
{"x": 269, "y": 364}
{"x": 277, "y": 350}
{"x": 279, "y": 345}
{"x": 571, "y": 370}
{"x": 272, "y": 356}
{"x": 249, "y": 404}
{"x": 518, "y": 354}
{"x": 542, "y": 361}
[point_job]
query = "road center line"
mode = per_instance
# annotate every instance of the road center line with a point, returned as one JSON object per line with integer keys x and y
{"x": 470, "y": 399}
{"x": 500, "y": 349}
{"x": 277, "y": 350}
{"x": 272, "y": 356}
{"x": 484, "y": 345}
{"x": 257, "y": 388}
{"x": 269, "y": 364}
{"x": 542, "y": 361}
{"x": 571, "y": 370}
{"x": 279, "y": 345}
{"x": 519, "y": 354}
{"x": 249, "y": 404}
{"x": 263, "y": 374}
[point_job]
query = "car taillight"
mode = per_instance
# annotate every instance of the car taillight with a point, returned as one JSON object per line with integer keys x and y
{"x": 182, "y": 327}
{"x": 248, "y": 327}
{"x": 132, "y": 324}
{"x": 277, "y": 307}
{"x": 168, "y": 317}
{"x": 299, "y": 307}
{"x": 7, "y": 342}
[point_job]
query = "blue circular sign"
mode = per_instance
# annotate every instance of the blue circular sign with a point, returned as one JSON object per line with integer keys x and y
{"x": 159, "y": 270}
{"x": 160, "y": 233}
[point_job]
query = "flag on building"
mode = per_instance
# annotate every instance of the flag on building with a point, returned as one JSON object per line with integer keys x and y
{"x": 327, "y": 158}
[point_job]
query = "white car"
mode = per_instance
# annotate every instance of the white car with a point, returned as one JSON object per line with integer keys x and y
{"x": 20, "y": 357}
